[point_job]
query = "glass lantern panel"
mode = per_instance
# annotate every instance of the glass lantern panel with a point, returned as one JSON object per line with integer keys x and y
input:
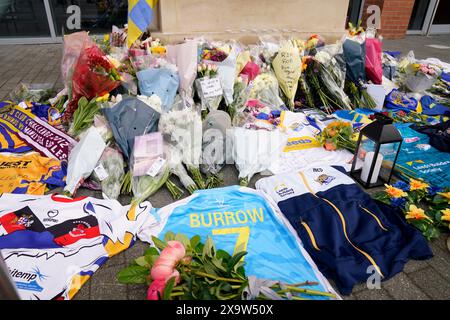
{"x": 384, "y": 161}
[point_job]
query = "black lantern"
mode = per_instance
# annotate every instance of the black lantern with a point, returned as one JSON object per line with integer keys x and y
{"x": 376, "y": 152}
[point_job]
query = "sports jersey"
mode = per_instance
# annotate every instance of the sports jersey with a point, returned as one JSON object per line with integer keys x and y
{"x": 53, "y": 244}
{"x": 418, "y": 158}
{"x": 240, "y": 219}
{"x": 349, "y": 236}
{"x": 30, "y": 173}
{"x": 303, "y": 148}
{"x": 9, "y": 142}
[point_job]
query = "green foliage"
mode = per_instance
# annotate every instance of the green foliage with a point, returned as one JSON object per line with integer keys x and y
{"x": 205, "y": 272}
{"x": 83, "y": 116}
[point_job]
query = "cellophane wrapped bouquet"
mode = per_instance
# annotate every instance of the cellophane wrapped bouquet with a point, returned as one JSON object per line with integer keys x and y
{"x": 183, "y": 130}
{"x": 94, "y": 75}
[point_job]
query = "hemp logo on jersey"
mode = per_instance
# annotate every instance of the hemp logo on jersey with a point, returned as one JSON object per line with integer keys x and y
{"x": 51, "y": 216}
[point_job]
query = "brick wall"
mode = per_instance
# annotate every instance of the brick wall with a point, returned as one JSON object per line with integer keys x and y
{"x": 395, "y": 16}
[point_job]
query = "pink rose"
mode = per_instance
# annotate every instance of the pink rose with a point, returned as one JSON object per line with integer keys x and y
{"x": 162, "y": 270}
{"x": 155, "y": 287}
{"x": 174, "y": 249}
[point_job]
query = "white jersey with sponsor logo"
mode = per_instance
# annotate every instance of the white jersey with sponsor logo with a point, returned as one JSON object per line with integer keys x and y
{"x": 53, "y": 244}
{"x": 303, "y": 148}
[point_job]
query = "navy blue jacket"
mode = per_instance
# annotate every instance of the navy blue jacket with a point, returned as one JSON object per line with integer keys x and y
{"x": 342, "y": 228}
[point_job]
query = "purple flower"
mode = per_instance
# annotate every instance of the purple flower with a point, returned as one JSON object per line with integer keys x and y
{"x": 398, "y": 202}
{"x": 401, "y": 185}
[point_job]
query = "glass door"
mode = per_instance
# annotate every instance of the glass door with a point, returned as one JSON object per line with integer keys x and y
{"x": 24, "y": 19}
{"x": 441, "y": 22}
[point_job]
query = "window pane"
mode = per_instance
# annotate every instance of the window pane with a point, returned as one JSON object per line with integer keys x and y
{"x": 97, "y": 16}
{"x": 23, "y": 18}
{"x": 442, "y": 13}
{"x": 418, "y": 15}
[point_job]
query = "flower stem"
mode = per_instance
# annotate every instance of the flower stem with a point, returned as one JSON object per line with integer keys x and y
{"x": 207, "y": 275}
{"x": 197, "y": 176}
{"x": 176, "y": 192}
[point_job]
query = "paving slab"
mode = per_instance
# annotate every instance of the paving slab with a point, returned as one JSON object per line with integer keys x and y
{"x": 432, "y": 284}
{"x": 401, "y": 287}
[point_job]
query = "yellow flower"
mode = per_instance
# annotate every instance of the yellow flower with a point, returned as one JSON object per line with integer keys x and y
{"x": 415, "y": 213}
{"x": 106, "y": 38}
{"x": 445, "y": 195}
{"x": 103, "y": 98}
{"x": 446, "y": 215}
{"x": 417, "y": 185}
{"x": 159, "y": 50}
{"x": 395, "y": 192}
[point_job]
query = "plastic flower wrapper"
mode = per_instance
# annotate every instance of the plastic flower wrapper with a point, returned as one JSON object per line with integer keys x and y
{"x": 209, "y": 87}
{"x": 183, "y": 130}
{"x": 242, "y": 59}
{"x": 421, "y": 77}
{"x": 83, "y": 159}
{"x": 175, "y": 161}
{"x": 74, "y": 44}
{"x": 251, "y": 71}
{"x": 184, "y": 56}
{"x": 255, "y": 150}
{"x": 215, "y": 127}
{"x": 83, "y": 116}
{"x": 147, "y": 185}
{"x": 338, "y": 97}
{"x": 287, "y": 67}
{"x": 131, "y": 117}
{"x": 94, "y": 76}
{"x": 257, "y": 115}
{"x": 265, "y": 89}
{"x": 332, "y": 56}
{"x": 162, "y": 81}
{"x": 110, "y": 173}
{"x": 240, "y": 96}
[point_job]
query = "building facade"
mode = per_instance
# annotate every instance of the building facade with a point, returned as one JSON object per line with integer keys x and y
{"x": 402, "y": 17}
{"x": 46, "y": 21}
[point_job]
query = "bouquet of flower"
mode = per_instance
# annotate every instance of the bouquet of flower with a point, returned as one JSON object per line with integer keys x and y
{"x": 183, "y": 130}
{"x": 224, "y": 56}
{"x": 186, "y": 269}
{"x": 83, "y": 116}
{"x": 209, "y": 86}
{"x": 110, "y": 173}
{"x": 312, "y": 71}
{"x": 176, "y": 168}
{"x": 94, "y": 76}
{"x": 421, "y": 77}
{"x": 338, "y": 135}
{"x": 215, "y": 128}
{"x": 184, "y": 56}
{"x": 266, "y": 90}
{"x": 425, "y": 207}
{"x": 255, "y": 151}
{"x": 162, "y": 79}
{"x": 287, "y": 67}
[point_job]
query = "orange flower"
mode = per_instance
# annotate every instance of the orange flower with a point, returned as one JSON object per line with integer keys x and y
{"x": 417, "y": 185}
{"x": 395, "y": 192}
{"x": 415, "y": 213}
